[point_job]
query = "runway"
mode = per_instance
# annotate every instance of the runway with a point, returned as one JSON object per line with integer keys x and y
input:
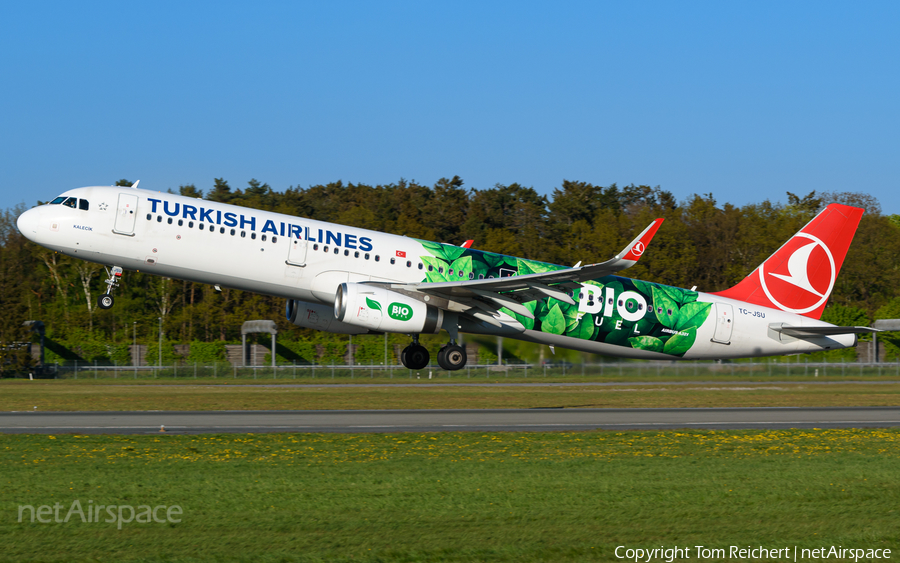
{"x": 507, "y": 420}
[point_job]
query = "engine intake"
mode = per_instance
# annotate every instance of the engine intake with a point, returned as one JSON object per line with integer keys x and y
{"x": 383, "y": 310}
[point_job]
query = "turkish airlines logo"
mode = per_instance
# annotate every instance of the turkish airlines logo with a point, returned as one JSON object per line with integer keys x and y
{"x": 800, "y": 276}
{"x": 638, "y": 248}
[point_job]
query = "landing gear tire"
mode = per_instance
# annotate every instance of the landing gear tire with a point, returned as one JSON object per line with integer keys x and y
{"x": 105, "y": 301}
{"x": 452, "y": 357}
{"x": 415, "y": 356}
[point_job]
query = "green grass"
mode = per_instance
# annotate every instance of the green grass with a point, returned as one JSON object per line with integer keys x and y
{"x": 69, "y": 395}
{"x": 616, "y": 371}
{"x": 514, "y": 497}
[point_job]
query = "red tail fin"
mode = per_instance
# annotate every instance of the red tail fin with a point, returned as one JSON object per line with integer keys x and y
{"x": 799, "y": 277}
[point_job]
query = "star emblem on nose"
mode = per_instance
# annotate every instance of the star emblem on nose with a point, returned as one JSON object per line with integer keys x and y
{"x": 102, "y": 206}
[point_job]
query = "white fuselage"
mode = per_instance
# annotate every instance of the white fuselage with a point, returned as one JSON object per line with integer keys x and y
{"x": 304, "y": 259}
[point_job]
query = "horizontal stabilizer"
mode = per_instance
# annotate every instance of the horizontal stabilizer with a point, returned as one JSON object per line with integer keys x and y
{"x": 887, "y": 324}
{"x": 807, "y": 331}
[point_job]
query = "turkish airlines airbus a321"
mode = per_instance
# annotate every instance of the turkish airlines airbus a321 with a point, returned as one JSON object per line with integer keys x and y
{"x": 355, "y": 281}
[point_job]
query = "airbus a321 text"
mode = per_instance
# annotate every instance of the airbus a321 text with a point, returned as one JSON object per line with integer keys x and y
{"x": 355, "y": 281}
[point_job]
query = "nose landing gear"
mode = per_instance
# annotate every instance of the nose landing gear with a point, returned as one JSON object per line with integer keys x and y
{"x": 106, "y": 300}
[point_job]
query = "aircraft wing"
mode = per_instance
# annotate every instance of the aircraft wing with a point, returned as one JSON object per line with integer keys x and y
{"x": 483, "y": 298}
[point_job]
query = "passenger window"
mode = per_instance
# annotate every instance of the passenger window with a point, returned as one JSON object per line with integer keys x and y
{"x": 232, "y": 232}
{"x": 393, "y": 261}
{"x": 275, "y": 239}
{"x": 58, "y": 200}
{"x": 212, "y": 228}
{"x": 170, "y": 220}
{"x": 159, "y": 218}
{"x": 253, "y": 236}
{"x": 149, "y": 216}
{"x": 263, "y": 238}
{"x": 346, "y": 253}
{"x": 181, "y": 222}
{"x": 367, "y": 255}
{"x": 221, "y": 230}
{"x": 71, "y": 202}
{"x": 420, "y": 266}
{"x": 200, "y": 226}
{"x": 377, "y": 258}
{"x": 190, "y": 224}
{"x": 324, "y": 248}
{"x": 83, "y": 204}
{"x": 243, "y": 234}
{"x": 315, "y": 247}
{"x": 337, "y": 250}
{"x": 450, "y": 271}
{"x": 440, "y": 269}
{"x": 356, "y": 254}
{"x": 430, "y": 268}
{"x": 408, "y": 264}
{"x": 471, "y": 275}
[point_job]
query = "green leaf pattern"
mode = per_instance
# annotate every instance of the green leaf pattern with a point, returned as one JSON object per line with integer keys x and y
{"x": 669, "y": 324}
{"x": 554, "y": 322}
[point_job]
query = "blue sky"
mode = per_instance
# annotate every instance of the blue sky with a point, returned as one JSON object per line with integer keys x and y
{"x": 743, "y": 100}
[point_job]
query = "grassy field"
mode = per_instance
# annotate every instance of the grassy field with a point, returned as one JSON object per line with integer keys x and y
{"x": 514, "y": 497}
{"x": 62, "y": 395}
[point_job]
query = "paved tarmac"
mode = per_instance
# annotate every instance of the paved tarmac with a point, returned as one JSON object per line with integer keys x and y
{"x": 512, "y": 420}
{"x": 501, "y": 383}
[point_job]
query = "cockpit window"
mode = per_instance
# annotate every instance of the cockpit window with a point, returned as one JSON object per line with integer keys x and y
{"x": 71, "y": 202}
{"x": 58, "y": 200}
{"x": 83, "y": 204}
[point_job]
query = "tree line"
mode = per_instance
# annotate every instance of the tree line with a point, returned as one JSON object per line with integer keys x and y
{"x": 703, "y": 243}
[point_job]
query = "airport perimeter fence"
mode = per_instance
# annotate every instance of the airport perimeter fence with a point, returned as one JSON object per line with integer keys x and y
{"x": 606, "y": 370}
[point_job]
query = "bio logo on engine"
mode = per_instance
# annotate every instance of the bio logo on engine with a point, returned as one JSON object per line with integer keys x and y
{"x": 400, "y": 312}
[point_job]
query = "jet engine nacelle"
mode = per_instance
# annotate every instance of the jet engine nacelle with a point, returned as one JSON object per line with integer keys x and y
{"x": 383, "y": 310}
{"x": 318, "y": 317}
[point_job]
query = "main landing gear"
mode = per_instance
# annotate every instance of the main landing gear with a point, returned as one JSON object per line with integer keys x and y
{"x": 451, "y": 357}
{"x": 415, "y": 356}
{"x": 106, "y": 300}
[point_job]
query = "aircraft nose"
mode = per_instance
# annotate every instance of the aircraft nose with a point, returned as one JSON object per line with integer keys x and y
{"x": 28, "y": 223}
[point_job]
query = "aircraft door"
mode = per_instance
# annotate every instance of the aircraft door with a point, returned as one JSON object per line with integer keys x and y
{"x": 297, "y": 253}
{"x": 724, "y": 323}
{"x": 126, "y": 214}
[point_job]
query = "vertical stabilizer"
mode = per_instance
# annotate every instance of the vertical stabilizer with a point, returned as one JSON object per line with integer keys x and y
{"x": 799, "y": 276}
